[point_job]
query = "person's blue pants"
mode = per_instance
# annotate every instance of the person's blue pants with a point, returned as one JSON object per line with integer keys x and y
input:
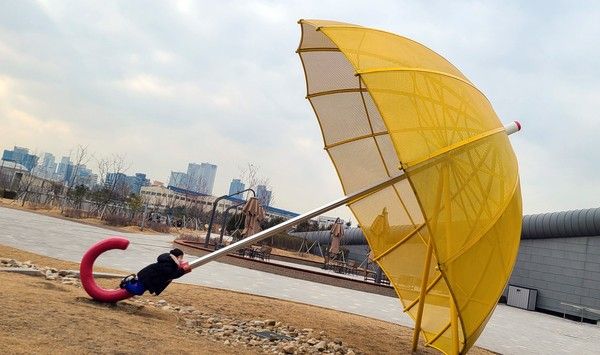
{"x": 135, "y": 287}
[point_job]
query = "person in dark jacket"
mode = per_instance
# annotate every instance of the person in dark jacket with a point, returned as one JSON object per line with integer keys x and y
{"x": 156, "y": 277}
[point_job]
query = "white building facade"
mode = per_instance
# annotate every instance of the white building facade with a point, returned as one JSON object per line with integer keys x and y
{"x": 160, "y": 197}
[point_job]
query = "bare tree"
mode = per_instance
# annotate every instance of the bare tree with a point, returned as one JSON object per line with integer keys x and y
{"x": 53, "y": 192}
{"x": 111, "y": 191}
{"x": 250, "y": 174}
{"x": 26, "y": 183}
{"x": 81, "y": 158}
{"x": 4, "y": 177}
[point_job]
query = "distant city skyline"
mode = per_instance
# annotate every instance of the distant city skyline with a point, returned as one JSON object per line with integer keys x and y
{"x": 203, "y": 175}
{"x": 46, "y": 167}
{"x": 199, "y": 178}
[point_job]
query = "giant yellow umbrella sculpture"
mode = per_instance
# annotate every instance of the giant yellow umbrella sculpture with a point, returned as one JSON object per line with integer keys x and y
{"x": 426, "y": 167}
{"x": 390, "y": 107}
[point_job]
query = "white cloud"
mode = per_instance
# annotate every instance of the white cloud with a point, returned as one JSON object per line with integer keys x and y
{"x": 147, "y": 85}
{"x": 19, "y": 125}
{"x": 171, "y": 83}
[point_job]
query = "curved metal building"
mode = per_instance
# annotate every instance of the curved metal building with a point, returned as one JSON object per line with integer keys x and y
{"x": 566, "y": 224}
{"x": 559, "y": 256}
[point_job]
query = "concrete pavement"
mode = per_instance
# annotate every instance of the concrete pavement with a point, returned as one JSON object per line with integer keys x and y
{"x": 510, "y": 330}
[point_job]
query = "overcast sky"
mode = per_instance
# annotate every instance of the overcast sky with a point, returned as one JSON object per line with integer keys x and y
{"x": 173, "y": 82}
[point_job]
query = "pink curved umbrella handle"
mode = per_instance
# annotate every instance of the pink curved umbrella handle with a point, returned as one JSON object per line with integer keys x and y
{"x": 87, "y": 266}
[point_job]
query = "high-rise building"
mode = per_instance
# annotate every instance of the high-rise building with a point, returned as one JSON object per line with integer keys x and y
{"x": 179, "y": 180}
{"x": 46, "y": 168}
{"x": 116, "y": 182}
{"x": 137, "y": 182}
{"x": 263, "y": 195}
{"x": 63, "y": 169}
{"x": 202, "y": 177}
{"x": 81, "y": 175}
{"x": 21, "y": 156}
{"x": 126, "y": 185}
{"x": 8, "y": 155}
{"x": 49, "y": 163}
{"x": 235, "y": 186}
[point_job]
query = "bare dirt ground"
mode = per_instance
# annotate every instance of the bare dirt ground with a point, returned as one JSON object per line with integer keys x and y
{"x": 42, "y": 316}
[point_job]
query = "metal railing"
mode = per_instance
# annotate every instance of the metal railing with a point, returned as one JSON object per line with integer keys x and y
{"x": 579, "y": 307}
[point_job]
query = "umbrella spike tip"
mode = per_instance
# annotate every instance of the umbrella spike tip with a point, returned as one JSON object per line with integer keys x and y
{"x": 513, "y": 127}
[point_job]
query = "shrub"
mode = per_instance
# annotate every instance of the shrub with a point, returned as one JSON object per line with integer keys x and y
{"x": 159, "y": 227}
{"x": 37, "y": 206}
{"x": 73, "y": 213}
{"x": 116, "y": 220}
{"x": 191, "y": 237}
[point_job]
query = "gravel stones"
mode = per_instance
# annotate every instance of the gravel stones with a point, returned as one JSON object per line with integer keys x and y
{"x": 265, "y": 336}
{"x": 49, "y": 273}
{"x": 274, "y": 336}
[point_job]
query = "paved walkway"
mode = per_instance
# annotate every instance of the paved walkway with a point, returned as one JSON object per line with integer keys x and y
{"x": 509, "y": 331}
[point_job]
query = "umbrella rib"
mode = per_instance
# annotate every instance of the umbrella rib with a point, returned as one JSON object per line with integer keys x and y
{"x": 488, "y": 190}
{"x": 317, "y": 49}
{"x": 354, "y": 139}
{"x": 470, "y": 294}
{"x": 451, "y": 147}
{"x": 437, "y": 87}
{"x": 355, "y": 27}
{"x": 422, "y": 295}
{"x": 485, "y": 230}
{"x": 485, "y": 192}
{"x": 387, "y": 170}
{"x": 333, "y": 92}
{"x": 362, "y": 96}
{"x": 416, "y": 300}
{"x": 400, "y": 242}
{"x": 427, "y": 99}
{"x": 438, "y": 335}
{"x": 418, "y": 70}
{"x": 442, "y": 86}
{"x": 465, "y": 184}
{"x": 428, "y": 117}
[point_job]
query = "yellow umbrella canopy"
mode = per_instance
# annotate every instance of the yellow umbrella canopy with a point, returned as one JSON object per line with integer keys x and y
{"x": 389, "y": 106}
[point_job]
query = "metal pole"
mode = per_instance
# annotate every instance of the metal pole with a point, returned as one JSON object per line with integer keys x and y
{"x": 291, "y": 222}
{"x": 454, "y": 326}
{"x": 225, "y": 220}
{"x": 212, "y": 216}
{"x": 144, "y": 216}
{"x": 422, "y": 295}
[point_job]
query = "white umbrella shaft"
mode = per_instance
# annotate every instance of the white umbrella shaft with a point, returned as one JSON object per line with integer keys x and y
{"x": 291, "y": 222}
{"x": 510, "y": 128}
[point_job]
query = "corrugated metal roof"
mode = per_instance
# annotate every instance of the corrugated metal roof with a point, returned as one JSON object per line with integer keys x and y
{"x": 9, "y": 164}
{"x": 565, "y": 224}
{"x": 574, "y": 223}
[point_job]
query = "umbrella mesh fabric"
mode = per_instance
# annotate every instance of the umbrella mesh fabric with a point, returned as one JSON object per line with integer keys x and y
{"x": 388, "y": 105}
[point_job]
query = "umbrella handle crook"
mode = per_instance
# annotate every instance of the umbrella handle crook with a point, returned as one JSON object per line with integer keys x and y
{"x": 87, "y": 266}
